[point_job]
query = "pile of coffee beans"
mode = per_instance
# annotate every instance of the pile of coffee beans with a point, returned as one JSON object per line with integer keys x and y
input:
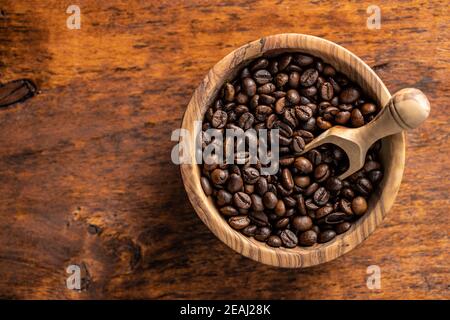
{"x": 305, "y": 202}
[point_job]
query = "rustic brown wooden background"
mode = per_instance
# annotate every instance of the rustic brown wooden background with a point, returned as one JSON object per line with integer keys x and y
{"x": 91, "y": 153}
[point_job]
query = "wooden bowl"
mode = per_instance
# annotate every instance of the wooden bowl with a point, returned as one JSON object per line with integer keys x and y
{"x": 392, "y": 152}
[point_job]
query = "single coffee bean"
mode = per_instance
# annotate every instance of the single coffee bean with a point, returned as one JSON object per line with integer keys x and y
{"x": 257, "y": 203}
{"x": 270, "y": 200}
{"x": 359, "y": 206}
{"x": 286, "y": 179}
{"x": 242, "y": 200}
{"x": 363, "y": 186}
{"x": 326, "y": 236}
{"x": 281, "y": 80}
{"x": 326, "y": 91}
{"x": 357, "y": 118}
{"x": 321, "y": 196}
{"x": 312, "y": 188}
{"x": 262, "y": 76}
{"x": 249, "y": 188}
{"x": 249, "y": 86}
{"x": 223, "y": 198}
{"x": 375, "y": 176}
{"x": 228, "y": 211}
{"x": 261, "y": 186}
{"x": 219, "y": 119}
{"x": 261, "y": 63}
{"x": 280, "y": 208}
{"x": 303, "y": 113}
{"x": 289, "y": 239}
{"x": 294, "y": 79}
{"x": 322, "y": 172}
{"x": 323, "y": 124}
{"x": 297, "y": 144}
{"x": 309, "y": 125}
{"x": 346, "y": 207}
{"x": 308, "y": 238}
{"x": 335, "y": 218}
{"x": 302, "y": 181}
{"x": 280, "y": 105}
{"x": 342, "y": 227}
{"x": 250, "y": 175}
{"x": 309, "y": 77}
{"x": 206, "y": 186}
{"x": 348, "y": 193}
{"x": 235, "y": 183}
{"x": 239, "y": 222}
{"x": 342, "y": 117}
{"x": 259, "y": 218}
{"x": 262, "y": 234}
{"x": 303, "y": 165}
{"x": 303, "y": 60}
{"x": 368, "y": 108}
{"x": 282, "y": 223}
{"x": 229, "y": 92}
{"x": 267, "y": 88}
{"x": 324, "y": 211}
{"x": 302, "y": 223}
{"x": 284, "y": 61}
{"x": 349, "y": 95}
{"x": 371, "y": 165}
{"x": 293, "y": 97}
{"x": 250, "y": 230}
{"x": 274, "y": 241}
{"x": 219, "y": 176}
{"x": 333, "y": 184}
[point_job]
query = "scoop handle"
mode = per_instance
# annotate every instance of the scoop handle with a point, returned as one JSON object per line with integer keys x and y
{"x": 406, "y": 110}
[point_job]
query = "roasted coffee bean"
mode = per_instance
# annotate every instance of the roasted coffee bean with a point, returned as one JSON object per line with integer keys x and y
{"x": 280, "y": 208}
{"x": 315, "y": 157}
{"x": 309, "y": 77}
{"x": 261, "y": 186}
{"x": 309, "y": 125}
{"x": 292, "y": 96}
{"x": 303, "y": 165}
{"x": 297, "y": 144}
{"x": 322, "y": 172}
{"x": 326, "y": 236}
{"x": 302, "y": 223}
{"x": 303, "y": 60}
{"x": 303, "y": 113}
{"x": 342, "y": 227}
{"x": 242, "y": 200}
{"x": 280, "y": 105}
{"x": 348, "y": 193}
{"x": 359, "y": 206}
{"x": 229, "y": 211}
{"x": 302, "y": 181}
{"x": 301, "y": 206}
{"x": 335, "y": 218}
{"x": 308, "y": 91}
{"x": 333, "y": 184}
{"x": 284, "y": 61}
{"x": 235, "y": 183}
{"x": 323, "y": 124}
{"x": 311, "y": 189}
{"x": 310, "y": 205}
{"x": 257, "y": 203}
{"x": 349, "y": 95}
{"x": 274, "y": 241}
{"x": 262, "y": 76}
{"x": 324, "y": 211}
{"x": 357, "y": 118}
{"x": 326, "y": 91}
{"x": 250, "y": 230}
{"x": 368, "y": 108}
{"x": 346, "y": 207}
{"x": 289, "y": 118}
{"x": 249, "y": 188}
{"x": 249, "y": 86}
{"x": 239, "y": 222}
{"x": 219, "y": 119}
{"x": 294, "y": 79}
{"x": 375, "y": 176}
{"x": 270, "y": 200}
{"x": 250, "y": 175}
{"x": 246, "y": 121}
{"x": 342, "y": 117}
{"x": 267, "y": 88}
{"x": 371, "y": 165}
{"x": 281, "y": 80}
{"x": 363, "y": 186}
{"x": 206, "y": 186}
{"x": 262, "y": 234}
{"x": 219, "y": 176}
{"x": 289, "y": 239}
{"x": 286, "y": 179}
{"x": 290, "y": 202}
{"x": 229, "y": 92}
{"x": 16, "y": 91}
{"x": 223, "y": 198}
{"x": 308, "y": 238}
{"x": 321, "y": 196}
{"x": 286, "y": 161}
{"x": 282, "y": 223}
{"x": 261, "y": 63}
{"x": 259, "y": 218}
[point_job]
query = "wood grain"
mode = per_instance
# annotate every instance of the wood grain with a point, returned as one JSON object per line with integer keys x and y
{"x": 93, "y": 149}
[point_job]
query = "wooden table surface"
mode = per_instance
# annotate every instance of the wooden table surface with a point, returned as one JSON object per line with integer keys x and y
{"x": 85, "y": 170}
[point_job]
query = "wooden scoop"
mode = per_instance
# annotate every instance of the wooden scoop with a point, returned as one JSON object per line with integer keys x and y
{"x": 407, "y": 109}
